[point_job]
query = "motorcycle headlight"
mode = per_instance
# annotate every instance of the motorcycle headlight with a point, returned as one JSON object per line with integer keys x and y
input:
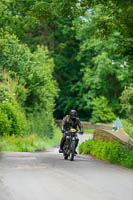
{"x": 72, "y": 130}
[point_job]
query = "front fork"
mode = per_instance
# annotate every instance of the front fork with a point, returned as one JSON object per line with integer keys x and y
{"x": 69, "y": 142}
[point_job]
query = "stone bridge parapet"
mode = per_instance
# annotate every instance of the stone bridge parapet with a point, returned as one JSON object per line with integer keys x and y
{"x": 119, "y": 136}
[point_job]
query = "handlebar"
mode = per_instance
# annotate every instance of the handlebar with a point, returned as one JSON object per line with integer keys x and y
{"x": 81, "y": 133}
{"x": 67, "y": 132}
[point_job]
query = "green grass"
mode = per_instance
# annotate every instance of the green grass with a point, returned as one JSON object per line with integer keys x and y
{"x": 55, "y": 141}
{"x": 89, "y": 131}
{"x": 110, "y": 151}
{"x": 28, "y": 143}
{"x": 128, "y": 127}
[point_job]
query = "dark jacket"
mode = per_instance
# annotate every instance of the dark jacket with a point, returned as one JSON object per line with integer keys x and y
{"x": 68, "y": 123}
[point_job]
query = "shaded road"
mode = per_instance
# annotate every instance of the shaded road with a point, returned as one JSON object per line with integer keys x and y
{"x": 46, "y": 175}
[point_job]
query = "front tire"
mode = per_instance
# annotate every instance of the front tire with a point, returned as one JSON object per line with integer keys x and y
{"x": 72, "y": 151}
{"x": 66, "y": 150}
{"x": 65, "y": 157}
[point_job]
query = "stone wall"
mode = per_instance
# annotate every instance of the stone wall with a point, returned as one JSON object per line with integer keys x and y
{"x": 119, "y": 136}
{"x": 105, "y": 133}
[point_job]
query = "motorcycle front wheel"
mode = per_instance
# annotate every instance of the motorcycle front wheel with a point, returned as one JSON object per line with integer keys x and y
{"x": 72, "y": 151}
{"x": 65, "y": 157}
{"x": 66, "y": 149}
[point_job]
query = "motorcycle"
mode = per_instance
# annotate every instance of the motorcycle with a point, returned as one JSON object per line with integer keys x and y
{"x": 70, "y": 144}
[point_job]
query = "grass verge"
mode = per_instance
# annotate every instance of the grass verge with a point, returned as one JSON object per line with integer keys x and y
{"x": 110, "y": 151}
{"x": 89, "y": 131}
{"x": 28, "y": 143}
{"x": 128, "y": 127}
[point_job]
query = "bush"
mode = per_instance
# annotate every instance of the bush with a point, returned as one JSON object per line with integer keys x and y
{"x": 111, "y": 151}
{"x": 101, "y": 111}
{"x": 34, "y": 87}
{"x": 126, "y": 100}
{"x": 42, "y": 123}
{"x": 29, "y": 143}
{"x": 22, "y": 144}
{"x": 128, "y": 127}
{"x": 12, "y": 120}
{"x": 5, "y": 124}
{"x": 33, "y": 71}
{"x": 4, "y": 93}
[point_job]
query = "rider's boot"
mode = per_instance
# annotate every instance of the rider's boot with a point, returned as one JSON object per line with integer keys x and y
{"x": 77, "y": 141}
{"x": 62, "y": 144}
{"x": 75, "y": 152}
{"x": 60, "y": 150}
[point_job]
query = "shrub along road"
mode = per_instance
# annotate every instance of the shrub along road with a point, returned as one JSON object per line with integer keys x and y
{"x": 46, "y": 175}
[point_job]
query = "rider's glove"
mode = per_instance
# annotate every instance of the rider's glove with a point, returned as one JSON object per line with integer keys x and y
{"x": 63, "y": 131}
{"x": 66, "y": 132}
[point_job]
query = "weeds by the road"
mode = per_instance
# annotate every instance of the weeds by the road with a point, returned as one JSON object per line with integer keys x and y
{"x": 28, "y": 143}
{"x": 89, "y": 131}
{"x": 128, "y": 127}
{"x": 110, "y": 151}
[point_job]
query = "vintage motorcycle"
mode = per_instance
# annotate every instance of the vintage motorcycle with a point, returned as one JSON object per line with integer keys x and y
{"x": 70, "y": 144}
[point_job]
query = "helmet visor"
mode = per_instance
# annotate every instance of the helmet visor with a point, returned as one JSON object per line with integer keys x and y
{"x": 73, "y": 114}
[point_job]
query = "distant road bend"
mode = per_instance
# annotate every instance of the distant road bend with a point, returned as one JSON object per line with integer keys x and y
{"x": 47, "y": 176}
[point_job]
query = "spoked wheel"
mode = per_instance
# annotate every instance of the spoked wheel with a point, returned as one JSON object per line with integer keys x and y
{"x": 72, "y": 151}
{"x": 65, "y": 157}
{"x": 66, "y": 149}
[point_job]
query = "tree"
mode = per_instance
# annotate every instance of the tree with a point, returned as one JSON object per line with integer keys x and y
{"x": 35, "y": 87}
{"x": 127, "y": 102}
{"x": 105, "y": 68}
{"x": 90, "y": 42}
{"x": 101, "y": 111}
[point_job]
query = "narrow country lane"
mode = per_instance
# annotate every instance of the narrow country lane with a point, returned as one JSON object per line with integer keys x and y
{"x": 47, "y": 176}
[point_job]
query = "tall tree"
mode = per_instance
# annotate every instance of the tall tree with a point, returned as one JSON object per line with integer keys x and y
{"x": 106, "y": 64}
{"x": 90, "y": 41}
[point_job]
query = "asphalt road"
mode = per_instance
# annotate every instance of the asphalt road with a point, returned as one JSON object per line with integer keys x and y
{"x": 47, "y": 176}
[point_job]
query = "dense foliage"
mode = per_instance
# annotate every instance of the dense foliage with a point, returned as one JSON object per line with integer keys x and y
{"x": 128, "y": 127}
{"x": 84, "y": 46}
{"x": 127, "y": 102}
{"x": 101, "y": 111}
{"x": 111, "y": 151}
{"x": 27, "y": 88}
{"x": 29, "y": 143}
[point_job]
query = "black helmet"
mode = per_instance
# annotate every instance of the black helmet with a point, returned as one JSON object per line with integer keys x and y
{"x": 73, "y": 114}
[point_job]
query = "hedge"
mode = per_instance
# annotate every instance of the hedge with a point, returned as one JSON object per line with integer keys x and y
{"x": 110, "y": 151}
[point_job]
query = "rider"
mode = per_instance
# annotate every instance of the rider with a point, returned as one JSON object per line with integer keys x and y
{"x": 68, "y": 122}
